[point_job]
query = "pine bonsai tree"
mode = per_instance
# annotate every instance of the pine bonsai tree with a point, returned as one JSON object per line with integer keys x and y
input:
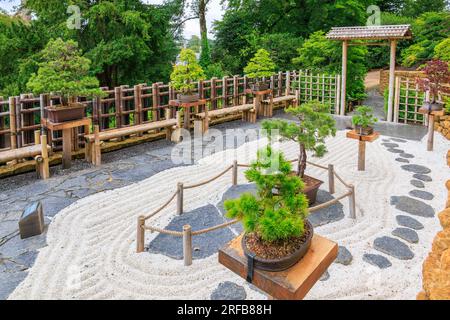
{"x": 260, "y": 66}
{"x": 64, "y": 71}
{"x": 315, "y": 124}
{"x": 364, "y": 117}
{"x": 185, "y": 75}
{"x": 272, "y": 217}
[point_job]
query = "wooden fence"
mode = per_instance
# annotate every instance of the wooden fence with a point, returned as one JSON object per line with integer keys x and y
{"x": 127, "y": 106}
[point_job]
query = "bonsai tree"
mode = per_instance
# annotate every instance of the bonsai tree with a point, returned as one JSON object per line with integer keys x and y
{"x": 64, "y": 71}
{"x": 260, "y": 66}
{"x": 437, "y": 76}
{"x": 315, "y": 124}
{"x": 271, "y": 218}
{"x": 364, "y": 117}
{"x": 186, "y": 73}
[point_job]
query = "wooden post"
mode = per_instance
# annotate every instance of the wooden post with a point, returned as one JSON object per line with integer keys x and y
{"x": 44, "y": 171}
{"x": 138, "y": 104}
{"x": 12, "y": 122}
{"x": 397, "y": 99}
{"x": 224, "y": 92}
{"x": 337, "y": 95}
{"x": 331, "y": 186}
{"x": 352, "y": 202}
{"x": 235, "y": 173}
{"x": 235, "y": 90}
{"x": 430, "y": 141}
{"x": 288, "y": 83}
{"x": 67, "y": 148}
{"x": 187, "y": 245}
{"x": 118, "y": 106}
{"x": 97, "y": 151}
{"x": 213, "y": 94}
{"x": 43, "y": 103}
{"x": 155, "y": 97}
{"x": 180, "y": 196}
{"x": 344, "y": 77}
{"x": 37, "y": 137}
{"x": 391, "y": 81}
{"x": 140, "y": 239}
{"x": 362, "y": 156}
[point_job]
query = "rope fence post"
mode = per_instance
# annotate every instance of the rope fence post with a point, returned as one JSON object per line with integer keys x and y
{"x": 352, "y": 202}
{"x": 235, "y": 173}
{"x": 140, "y": 234}
{"x": 331, "y": 185}
{"x": 187, "y": 245}
{"x": 180, "y": 195}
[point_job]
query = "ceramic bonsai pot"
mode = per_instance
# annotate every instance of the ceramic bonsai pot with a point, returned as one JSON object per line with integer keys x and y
{"x": 312, "y": 186}
{"x": 259, "y": 86}
{"x": 284, "y": 263}
{"x": 58, "y": 114}
{"x": 188, "y": 98}
{"x": 364, "y": 131}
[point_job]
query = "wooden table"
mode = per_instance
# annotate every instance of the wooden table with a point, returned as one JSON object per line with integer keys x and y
{"x": 362, "y": 146}
{"x": 431, "y": 119}
{"x": 292, "y": 284}
{"x": 66, "y": 128}
{"x": 259, "y": 96}
{"x": 187, "y": 109}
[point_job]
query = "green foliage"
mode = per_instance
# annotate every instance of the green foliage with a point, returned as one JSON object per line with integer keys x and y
{"x": 64, "y": 71}
{"x": 215, "y": 70}
{"x": 364, "y": 117}
{"x": 195, "y": 44}
{"x": 442, "y": 50}
{"x": 205, "y": 54}
{"x": 186, "y": 73}
{"x": 260, "y": 66}
{"x": 414, "y": 8}
{"x": 314, "y": 125}
{"x": 272, "y": 217}
{"x": 322, "y": 55}
{"x": 447, "y": 105}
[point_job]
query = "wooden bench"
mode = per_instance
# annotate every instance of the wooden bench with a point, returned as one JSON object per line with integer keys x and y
{"x": 279, "y": 102}
{"x": 93, "y": 141}
{"x": 248, "y": 114}
{"x": 39, "y": 152}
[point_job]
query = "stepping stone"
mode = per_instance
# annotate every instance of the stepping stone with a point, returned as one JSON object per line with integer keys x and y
{"x": 407, "y": 156}
{"x": 421, "y": 195}
{"x": 344, "y": 256}
{"x": 390, "y": 145}
{"x": 416, "y": 169}
{"x": 399, "y": 140}
{"x": 325, "y": 276}
{"x": 377, "y": 260}
{"x": 409, "y": 222}
{"x": 418, "y": 184}
{"x": 328, "y": 215}
{"x": 393, "y": 247}
{"x": 406, "y": 234}
{"x": 413, "y": 206}
{"x": 386, "y": 140}
{"x": 402, "y": 160}
{"x": 422, "y": 177}
{"x": 229, "y": 291}
{"x": 396, "y": 151}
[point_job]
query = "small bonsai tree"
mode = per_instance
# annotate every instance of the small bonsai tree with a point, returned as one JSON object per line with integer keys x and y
{"x": 186, "y": 73}
{"x": 315, "y": 124}
{"x": 364, "y": 117}
{"x": 271, "y": 217}
{"x": 64, "y": 71}
{"x": 437, "y": 76}
{"x": 260, "y": 66}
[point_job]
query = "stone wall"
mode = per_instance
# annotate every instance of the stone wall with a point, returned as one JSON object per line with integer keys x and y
{"x": 384, "y": 77}
{"x": 442, "y": 125}
{"x": 436, "y": 268}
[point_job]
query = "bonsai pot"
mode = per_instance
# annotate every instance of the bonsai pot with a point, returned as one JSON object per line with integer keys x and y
{"x": 312, "y": 186}
{"x": 259, "y": 86}
{"x": 58, "y": 114}
{"x": 188, "y": 98}
{"x": 364, "y": 131}
{"x": 432, "y": 106}
{"x": 282, "y": 263}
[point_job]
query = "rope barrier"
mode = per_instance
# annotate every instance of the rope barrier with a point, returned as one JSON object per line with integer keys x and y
{"x": 162, "y": 207}
{"x": 208, "y": 181}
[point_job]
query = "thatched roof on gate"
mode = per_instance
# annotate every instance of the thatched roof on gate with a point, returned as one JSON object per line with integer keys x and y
{"x": 371, "y": 33}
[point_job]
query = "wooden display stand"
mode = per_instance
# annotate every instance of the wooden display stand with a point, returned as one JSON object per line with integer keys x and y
{"x": 362, "y": 146}
{"x": 292, "y": 284}
{"x": 431, "y": 119}
{"x": 66, "y": 128}
{"x": 187, "y": 109}
{"x": 257, "y": 101}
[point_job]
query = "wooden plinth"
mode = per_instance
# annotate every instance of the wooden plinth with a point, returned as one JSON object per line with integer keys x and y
{"x": 186, "y": 106}
{"x": 362, "y": 146}
{"x": 292, "y": 284}
{"x": 257, "y": 101}
{"x": 431, "y": 119}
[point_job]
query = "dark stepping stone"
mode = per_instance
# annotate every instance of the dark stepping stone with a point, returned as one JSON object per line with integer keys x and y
{"x": 327, "y": 215}
{"x": 421, "y": 195}
{"x": 402, "y": 160}
{"x": 344, "y": 256}
{"x": 409, "y": 222}
{"x": 422, "y": 177}
{"x": 377, "y": 260}
{"x": 393, "y": 247}
{"x": 416, "y": 169}
{"x": 229, "y": 291}
{"x": 413, "y": 206}
{"x": 399, "y": 140}
{"x": 325, "y": 276}
{"x": 396, "y": 151}
{"x": 386, "y": 140}
{"x": 418, "y": 184}
{"x": 207, "y": 244}
{"x": 407, "y": 156}
{"x": 390, "y": 145}
{"x": 406, "y": 234}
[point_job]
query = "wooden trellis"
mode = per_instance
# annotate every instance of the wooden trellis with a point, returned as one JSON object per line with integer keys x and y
{"x": 408, "y": 100}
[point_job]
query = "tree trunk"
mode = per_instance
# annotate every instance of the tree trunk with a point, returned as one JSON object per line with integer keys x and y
{"x": 202, "y": 17}
{"x": 302, "y": 161}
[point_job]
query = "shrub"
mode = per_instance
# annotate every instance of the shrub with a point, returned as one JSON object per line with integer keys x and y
{"x": 271, "y": 217}
{"x": 442, "y": 50}
{"x": 437, "y": 75}
{"x": 185, "y": 75}
{"x": 260, "y": 66}
{"x": 364, "y": 117}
